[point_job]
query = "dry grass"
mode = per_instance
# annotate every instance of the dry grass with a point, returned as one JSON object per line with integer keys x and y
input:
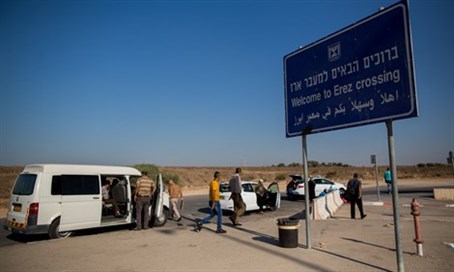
{"x": 194, "y": 178}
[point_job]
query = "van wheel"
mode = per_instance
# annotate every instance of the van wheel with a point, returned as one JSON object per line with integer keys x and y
{"x": 162, "y": 220}
{"x": 54, "y": 232}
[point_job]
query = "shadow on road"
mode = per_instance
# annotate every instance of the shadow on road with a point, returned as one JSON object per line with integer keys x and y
{"x": 21, "y": 238}
{"x": 374, "y": 245}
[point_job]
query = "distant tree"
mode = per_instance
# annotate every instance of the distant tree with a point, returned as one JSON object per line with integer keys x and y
{"x": 281, "y": 165}
{"x": 294, "y": 164}
{"x": 421, "y": 165}
{"x": 312, "y": 163}
{"x": 151, "y": 169}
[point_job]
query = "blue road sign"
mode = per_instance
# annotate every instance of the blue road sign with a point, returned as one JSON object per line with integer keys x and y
{"x": 359, "y": 75}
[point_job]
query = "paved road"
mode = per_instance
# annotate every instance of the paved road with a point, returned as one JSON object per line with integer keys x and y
{"x": 196, "y": 207}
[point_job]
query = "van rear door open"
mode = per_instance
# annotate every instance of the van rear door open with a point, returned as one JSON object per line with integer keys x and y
{"x": 81, "y": 202}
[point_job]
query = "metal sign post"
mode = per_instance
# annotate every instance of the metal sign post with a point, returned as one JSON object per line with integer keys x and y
{"x": 306, "y": 194}
{"x": 400, "y": 259}
{"x": 373, "y": 160}
{"x": 359, "y": 75}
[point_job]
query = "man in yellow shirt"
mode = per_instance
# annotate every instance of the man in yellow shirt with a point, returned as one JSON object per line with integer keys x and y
{"x": 215, "y": 205}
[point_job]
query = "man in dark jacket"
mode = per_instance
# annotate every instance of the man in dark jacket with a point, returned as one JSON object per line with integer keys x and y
{"x": 311, "y": 189}
{"x": 355, "y": 192}
{"x": 238, "y": 203}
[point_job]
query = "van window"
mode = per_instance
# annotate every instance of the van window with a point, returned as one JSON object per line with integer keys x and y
{"x": 56, "y": 185}
{"x": 25, "y": 184}
{"x": 79, "y": 185}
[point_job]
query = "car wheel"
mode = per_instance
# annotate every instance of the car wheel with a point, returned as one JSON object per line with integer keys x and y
{"x": 341, "y": 191}
{"x": 162, "y": 220}
{"x": 54, "y": 230}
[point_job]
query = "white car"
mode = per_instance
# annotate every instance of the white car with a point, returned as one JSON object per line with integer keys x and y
{"x": 320, "y": 185}
{"x": 249, "y": 196}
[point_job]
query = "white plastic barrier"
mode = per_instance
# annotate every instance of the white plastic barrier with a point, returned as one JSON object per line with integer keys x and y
{"x": 319, "y": 208}
{"x": 331, "y": 206}
{"x": 337, "y": 198}
{"x": 324, "y": 207}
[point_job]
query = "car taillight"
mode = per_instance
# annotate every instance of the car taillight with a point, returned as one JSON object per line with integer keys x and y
{"x": 34, "y": 208}
{"x": 33, "y": 214}
{"x": 301, "y": 185}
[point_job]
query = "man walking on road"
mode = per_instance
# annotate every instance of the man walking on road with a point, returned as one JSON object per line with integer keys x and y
{"x": 355, "y": 191}
{"x": 215, "y": 205}
{"x": 144, "y": 191}
{"x": 388, "y": 180}
{"x": 238, "y": 203}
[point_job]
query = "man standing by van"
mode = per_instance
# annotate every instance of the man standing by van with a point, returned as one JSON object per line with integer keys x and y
{"x": 145, "y": 188}
{"x": 175, "y": 197}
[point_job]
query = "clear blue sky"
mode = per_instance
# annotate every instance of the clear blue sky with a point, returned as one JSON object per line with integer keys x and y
{"x": 196, "y": 83}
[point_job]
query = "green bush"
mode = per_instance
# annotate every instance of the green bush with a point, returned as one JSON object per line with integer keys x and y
{"x": 175, "y": 177}
{"x": 152, "y": 169}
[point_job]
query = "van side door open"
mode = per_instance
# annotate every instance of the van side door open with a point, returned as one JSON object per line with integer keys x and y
{"x": 81, "y": 202}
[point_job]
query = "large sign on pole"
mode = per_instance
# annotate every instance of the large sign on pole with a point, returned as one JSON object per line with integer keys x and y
{"x": 359, "y": 75}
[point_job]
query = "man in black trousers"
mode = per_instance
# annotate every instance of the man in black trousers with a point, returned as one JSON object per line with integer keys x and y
{"x": 355, "y": 192}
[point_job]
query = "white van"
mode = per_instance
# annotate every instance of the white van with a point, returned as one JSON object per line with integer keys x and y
{"x": 58, "y": 199}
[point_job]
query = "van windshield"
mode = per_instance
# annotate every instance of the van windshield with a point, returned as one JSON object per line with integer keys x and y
{"x": 25, "y": 184}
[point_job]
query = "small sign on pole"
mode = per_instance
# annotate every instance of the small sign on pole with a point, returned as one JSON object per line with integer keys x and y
{"x": 372, "y": 159}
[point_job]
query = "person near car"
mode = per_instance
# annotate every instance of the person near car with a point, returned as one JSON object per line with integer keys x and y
{"x": 215, "y": 205}
{"x": 291, "y": 185}
{"x": 388, "y": 180}
{"x": 176, "y": 195}
{"x": 355, "y": 192}
{"x": 238, "y": 203}
{"x": 311, "y": 189}
{"x": 262, "y": 194}
{"x": 107, "y": 199}
{"x": 145, "y": 188}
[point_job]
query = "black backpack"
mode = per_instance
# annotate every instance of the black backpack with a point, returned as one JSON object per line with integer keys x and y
{"x": 352, "y": 187}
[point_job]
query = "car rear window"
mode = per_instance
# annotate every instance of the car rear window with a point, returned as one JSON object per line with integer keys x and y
{"x": 25, "y": 184}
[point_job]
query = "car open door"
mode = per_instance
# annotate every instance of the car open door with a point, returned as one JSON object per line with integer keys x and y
{"x": 158, "y": 214}
{"x": 274, "y": 196}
